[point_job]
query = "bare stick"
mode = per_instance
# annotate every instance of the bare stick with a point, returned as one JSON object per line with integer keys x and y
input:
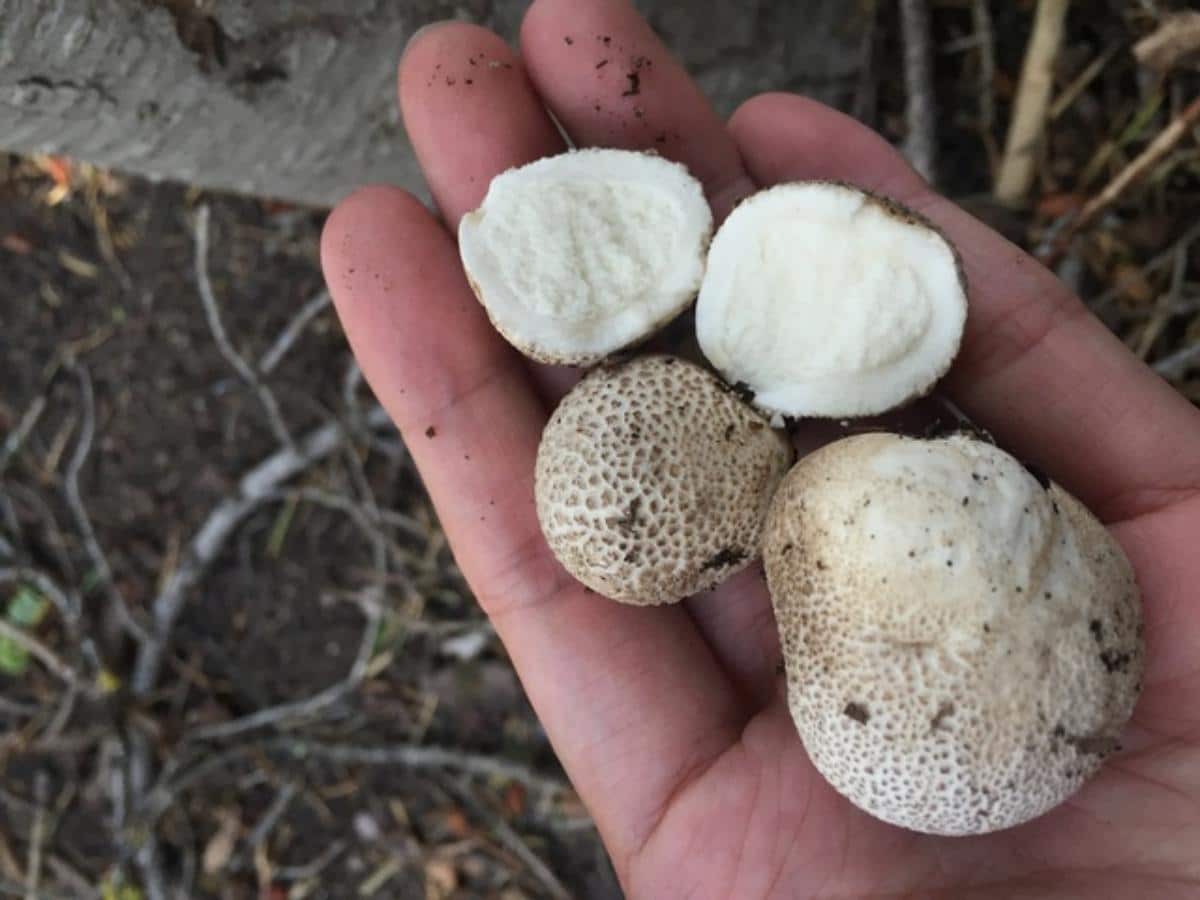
{"x": 310, "y": 706}
{"x": 371, "y": 605}
{"x": 512, "y": 842}
{"x": 43, "y": 654}
{"x": 985, "y": 37}
{"x": 422, "y": 757}
{"x": 255, "y": 488}
{"x": 920, "y": 144}
{"x": 1072, "y": 91}
{"x": 79, "y": 513}
{"x": 266, "y": 824}
{"x": 33, "y": 866}
{"x": 213, "y": 314}
{"x": 17, "y": 436}
{"x": 1154, "y": 153}
{"x": 1019, "y": 163}
{"x": 313, "y": 867}
{"x": 292, "y": 331}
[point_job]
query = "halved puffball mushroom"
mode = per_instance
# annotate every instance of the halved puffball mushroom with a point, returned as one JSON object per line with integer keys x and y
{"x": 578, "y": 255}
{"x": 962, "y": 640}
{"x": 653, "y": 480}
{"x": 827, "y": 301}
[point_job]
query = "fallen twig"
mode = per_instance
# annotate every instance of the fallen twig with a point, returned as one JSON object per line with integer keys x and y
{"x": 79, "y": 512}
{"x": 292, "y": 331}
{"x": 270, "y": 818}
{"x": 422, "y": 757}
{"x": 920, "y": 143}
{"x": 254, "y": 488}
{"x": 511, "y": 842}
{"x": 43, "y": 654}
{"x": 1176, "y": 39}
{"x": 981, "y": 17}
{"x": 17, "y": 436}
{"x": 1019, "y": 162}
{"x": 1072, "y": 91}
{"x": 213, "y": 315}
{"x": 1154, "y": 153}
{"x": 37, "y": 836}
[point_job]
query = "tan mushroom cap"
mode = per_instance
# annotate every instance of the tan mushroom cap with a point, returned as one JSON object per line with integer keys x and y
{"x": 962, "y": 640}
{"x": 653, "y": 480}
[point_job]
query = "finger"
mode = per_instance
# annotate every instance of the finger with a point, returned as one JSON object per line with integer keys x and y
{"x": 1035, "y": 368}
{"x": 610, "y": 81}
{"x": 471, "y": 113}
{"x": 619, "y": 690}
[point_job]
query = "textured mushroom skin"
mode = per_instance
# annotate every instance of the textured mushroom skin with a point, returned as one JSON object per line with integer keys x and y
{"x": 963, "y": 645}
{"x": 653, "y": 480}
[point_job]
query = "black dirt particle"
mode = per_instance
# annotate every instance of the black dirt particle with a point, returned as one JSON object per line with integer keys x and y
{"x": 1114, "y": 661}
{"x": 596, "y": 107}
{"x": 451, "y": 82}
{"x": 468, "y": 81}
{"x": 604, "y": 39}
{"x": 568, "y": 40}
{"x": 1096, "y": 627}
{"x": 821, "y": 565}
{"x": 630, "y": 519}
{"x": 1097, "y": 744}
{"x": 744, "y": 392}
{"x": 786, "y": 549}
{"x": 602, "y": 64}
{"x": 660, "y": 138}
{"x": 430, "y": 432}
{"x": 728, "y": 556}
{"x": 631, "y": 555}
{"x": 1042, "y": 478}
{"x": 857, "y": 712}
{"x": 966, "y": 501}
{"x": 729, "y": 429}
{"x": 944, "y": 712}
{"x": 635, "y": 85}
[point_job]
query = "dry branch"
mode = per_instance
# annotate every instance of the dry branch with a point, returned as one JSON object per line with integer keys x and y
{"x": 255, "y": 487}
{"x": 920, "y": 143}
{"x": 292, "y": 331}
{"x": 213, "y": 315}
{"x": 79, "y": 511}
{"x": 1141, "y": 165}
{"x": 17, "y": 436}
{"x": 1019, "y": 163}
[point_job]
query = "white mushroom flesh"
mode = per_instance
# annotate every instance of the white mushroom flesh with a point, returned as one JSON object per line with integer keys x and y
{"x": 827, "y": 301}
{"x": 579, "y": 255}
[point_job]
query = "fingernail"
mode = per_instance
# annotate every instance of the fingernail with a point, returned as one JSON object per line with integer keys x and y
{"x": 424, "y": 30}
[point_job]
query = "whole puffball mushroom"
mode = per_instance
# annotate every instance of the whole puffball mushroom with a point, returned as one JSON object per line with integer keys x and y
{"x": 579, "y": 255}
{"x": 963, "y": 642}
{"x": 824, "y": 300}
{"x": 653, "y": 480}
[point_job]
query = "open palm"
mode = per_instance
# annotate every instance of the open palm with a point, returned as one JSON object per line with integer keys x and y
{"x": 671, "y": 722}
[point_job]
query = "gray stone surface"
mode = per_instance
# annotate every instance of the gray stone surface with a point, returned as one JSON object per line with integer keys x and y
{"x": 296, "y": 99}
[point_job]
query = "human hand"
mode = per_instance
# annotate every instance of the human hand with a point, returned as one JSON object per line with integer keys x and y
{"x": 671, "y": 722}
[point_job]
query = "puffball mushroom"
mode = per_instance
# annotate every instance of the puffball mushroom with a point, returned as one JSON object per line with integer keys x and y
{"x": 963, "y": 642}
{"x": 579, "y": 255}
{"x": 825, "y": 300}
{"x": 653, "y": 480}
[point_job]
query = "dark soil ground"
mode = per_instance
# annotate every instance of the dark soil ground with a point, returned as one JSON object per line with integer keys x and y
{"x": 98, "y": 295}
